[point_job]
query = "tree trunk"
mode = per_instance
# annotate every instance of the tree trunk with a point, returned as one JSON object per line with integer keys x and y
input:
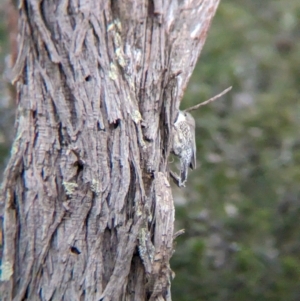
{"x": 88, "y": 207}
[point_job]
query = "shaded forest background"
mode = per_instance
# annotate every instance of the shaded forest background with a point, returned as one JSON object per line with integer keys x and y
{"x": 241, "y": 208}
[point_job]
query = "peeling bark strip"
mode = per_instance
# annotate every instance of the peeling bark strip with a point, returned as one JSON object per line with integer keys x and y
{"x": 88, "y": 207}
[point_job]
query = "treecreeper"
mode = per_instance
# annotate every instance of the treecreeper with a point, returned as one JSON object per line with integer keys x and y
{"x": 184, "y": 144}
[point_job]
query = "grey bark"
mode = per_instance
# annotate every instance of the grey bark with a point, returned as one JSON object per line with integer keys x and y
{"x": 88, "y": 209}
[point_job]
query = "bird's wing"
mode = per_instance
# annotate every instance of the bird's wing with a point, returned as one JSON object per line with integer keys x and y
{"x": 193, "y": 159}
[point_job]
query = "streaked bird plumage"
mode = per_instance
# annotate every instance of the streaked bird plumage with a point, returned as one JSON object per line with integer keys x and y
{"x": 184, "y": 144}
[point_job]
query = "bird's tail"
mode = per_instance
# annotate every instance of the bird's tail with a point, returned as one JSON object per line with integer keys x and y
{"x": 183, "y": 173}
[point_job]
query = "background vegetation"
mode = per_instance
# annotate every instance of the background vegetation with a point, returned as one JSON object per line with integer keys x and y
{"x": 241, "y": 208}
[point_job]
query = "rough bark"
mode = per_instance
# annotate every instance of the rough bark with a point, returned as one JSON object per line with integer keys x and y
{"x": 88, "y": 206}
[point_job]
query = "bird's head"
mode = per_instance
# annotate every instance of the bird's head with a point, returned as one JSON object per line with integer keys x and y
{"x": 186, "y": 117}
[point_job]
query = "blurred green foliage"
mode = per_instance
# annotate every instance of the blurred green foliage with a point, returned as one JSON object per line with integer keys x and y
{"x": 6, "y": 115}
{"x": 242, "y": 208}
